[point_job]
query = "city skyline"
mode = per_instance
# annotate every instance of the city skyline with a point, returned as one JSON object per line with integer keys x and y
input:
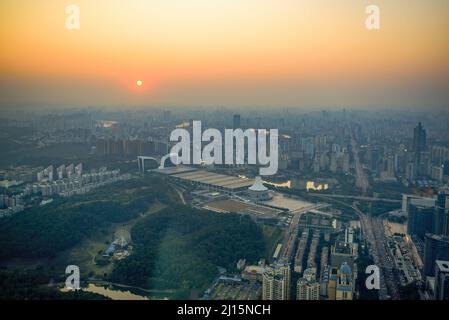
{"x": 233, "y": 152}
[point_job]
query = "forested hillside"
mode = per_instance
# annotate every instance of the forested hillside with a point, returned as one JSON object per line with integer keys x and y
{"x": 181, "y": 247}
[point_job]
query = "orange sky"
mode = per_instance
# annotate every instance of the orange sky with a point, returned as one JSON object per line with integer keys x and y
{"x": 224, "y": 52}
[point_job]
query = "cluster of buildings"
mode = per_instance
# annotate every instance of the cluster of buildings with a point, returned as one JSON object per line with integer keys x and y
{"x": 131, "y": 147}
{"x": 50, "y": 174}
{"x": 428, "y": 226}
{"x": 307, "y": 287}
{"x": 322, "y": 274}
{"x": 406, "y": 258}
{"x": 277, "y": 281}
{"x": 338, "y": 277}
{"x": 245, "y": 286}
{"x": 18, "y": 175}
{"x": 78, "y": 184}
{"x": 10, "y": 204}
{"x": 318, "y": 153}
{"x": 64, "y": 181}
{"x": 323, "y": 271}
{"x": 411, "y": 163}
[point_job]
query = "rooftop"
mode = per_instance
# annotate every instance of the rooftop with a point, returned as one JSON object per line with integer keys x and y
{"x": 214, "y": 179}
{"x": 443, "y": 266}
{"x": 258, "y": 185}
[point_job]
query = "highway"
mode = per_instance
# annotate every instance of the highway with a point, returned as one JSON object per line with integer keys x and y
{"x": 361, "y": 179}
{"x": 368, "y": 233}
{"x": 377, "y": 244}
{"x": 372, "y": 231}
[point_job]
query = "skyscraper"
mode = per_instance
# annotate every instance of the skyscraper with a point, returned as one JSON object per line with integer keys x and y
{"x": 349, "y": 235}
{"x": 276, "y": 282}
{"x": 420, "y": 220}
{"x": 436, "y": 247}
{"x": 419, "y": 138}
{"x": 441, "y": 223}
{"x": 419, "y": 143}
{"x": 340, "y": 284}
{"x": 344, "y": 288}
{"x": 307, "y": 287}
{"x": 79, "y": 169}
{"x": 441, "y": 280}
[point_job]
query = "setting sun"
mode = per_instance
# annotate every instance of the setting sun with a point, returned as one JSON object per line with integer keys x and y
{"x": 139, "y": 83}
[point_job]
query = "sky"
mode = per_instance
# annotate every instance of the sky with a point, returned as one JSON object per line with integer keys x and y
{"x": 237, "y": 53}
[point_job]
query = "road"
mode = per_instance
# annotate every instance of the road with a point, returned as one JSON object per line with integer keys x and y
{"x": 361, "y": 179}
{"x": 374, "y": 233}
{"x": 180, "y": 194}
{"x": 368, "y": 233}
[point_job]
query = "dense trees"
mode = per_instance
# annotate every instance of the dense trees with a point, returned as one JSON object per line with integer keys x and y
{"x": 181, "y": 247}
{"x": 176, "y": 248}
{"x": 44, "y": 231}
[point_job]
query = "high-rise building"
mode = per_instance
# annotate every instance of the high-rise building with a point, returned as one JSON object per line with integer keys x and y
{"x": 419, "y": 138}
{"x": 49, "y": 172}
{"x": 374, "y": 157}
{"x": 340, "y": 283}
{"x": 436, "y": 247}
{"x": 40, "y": 176}
{"x": 69, "y": 170}
{"x": 61, "y": 171}
{"x": 419, "y": 142}
{"x": 307, "y": 287}
{"x": 409, "y": 199}
{"x": 420, "y": 220}
{"x": 79, "y": 169}
{"x": 410, "y": 171}
{"x": 441, "y": 223}
{"x": 276, "y": 282}
{"x": 437, "y": 173}
{"x": 441, "y": 280}
{"x": 344, "y": 288}
{"x": 332, "y": 281}
{"x": 349, "y": 235}
{"x": 301, "y": 250}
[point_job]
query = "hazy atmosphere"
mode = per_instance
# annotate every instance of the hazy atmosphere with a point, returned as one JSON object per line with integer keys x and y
{"x": 225, "y": 158}
{"x": 224, "y": 53}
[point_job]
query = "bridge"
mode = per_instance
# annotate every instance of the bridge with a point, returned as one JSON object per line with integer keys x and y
{"x": 161, "y": 162}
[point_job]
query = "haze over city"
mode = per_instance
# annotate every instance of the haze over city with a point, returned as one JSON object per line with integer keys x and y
{"x": 302, "y": 54}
